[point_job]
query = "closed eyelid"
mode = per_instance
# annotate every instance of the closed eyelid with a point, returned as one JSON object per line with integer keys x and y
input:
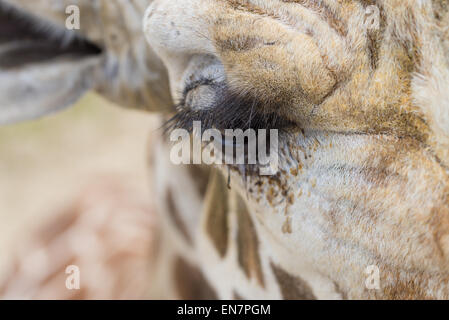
{"x": 231, "y": 110}
{"x": 194, "y": 84}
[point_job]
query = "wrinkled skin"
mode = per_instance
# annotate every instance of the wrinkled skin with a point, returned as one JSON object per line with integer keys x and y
{"x": 364, "y": 175}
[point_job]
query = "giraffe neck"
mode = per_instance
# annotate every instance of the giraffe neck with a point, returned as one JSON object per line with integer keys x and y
{"x": 213, "y": 244}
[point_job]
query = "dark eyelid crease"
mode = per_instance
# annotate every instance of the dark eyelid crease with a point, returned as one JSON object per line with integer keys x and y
{"x": 194, "y": 84}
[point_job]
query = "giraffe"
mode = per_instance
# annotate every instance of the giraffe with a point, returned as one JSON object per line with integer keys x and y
{"x": 363, "y": 174}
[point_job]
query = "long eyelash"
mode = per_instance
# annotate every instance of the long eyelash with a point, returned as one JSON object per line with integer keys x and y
{"x": 232, "y": 110}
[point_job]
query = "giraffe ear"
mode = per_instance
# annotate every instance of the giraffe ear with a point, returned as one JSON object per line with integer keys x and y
{"x": 39, "y": 90}
{"x": 43, "y": 67}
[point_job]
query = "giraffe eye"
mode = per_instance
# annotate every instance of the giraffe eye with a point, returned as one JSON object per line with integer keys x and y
{"x": 225, "y": 108}
{"x": 201, "y": 82}
{"x": 200, "y": 94}
{"x": 209, "y": 98}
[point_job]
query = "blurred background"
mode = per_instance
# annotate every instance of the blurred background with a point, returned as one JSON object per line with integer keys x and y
{"x": 54, "y": 173}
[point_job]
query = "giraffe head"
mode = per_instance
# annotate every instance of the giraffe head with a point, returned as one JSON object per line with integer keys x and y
{"x": 362, "y": 91}
{"x": 46, "y": 63}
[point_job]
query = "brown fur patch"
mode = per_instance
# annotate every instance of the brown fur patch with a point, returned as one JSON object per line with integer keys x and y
{"x": 200, "y": 175}
{"x": 408, "y": 290}
{"x": 242, "y": 44}
{"x": 191, "y": 283}
{"x": 237, "y": 296}
{"x": 375, "y": 38}
{"x": 248, "y": 243}
{"x": 216, "y": 212}
{"x": 340, "y": 291}
{"x": 251, "y": 8}
{"x": 321, "y": 9}
{"x": 394, "y": 286}
{"x": 292, "y": 288}
{"x": 440, "y": 7}
{"x": 176, "y": 217}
